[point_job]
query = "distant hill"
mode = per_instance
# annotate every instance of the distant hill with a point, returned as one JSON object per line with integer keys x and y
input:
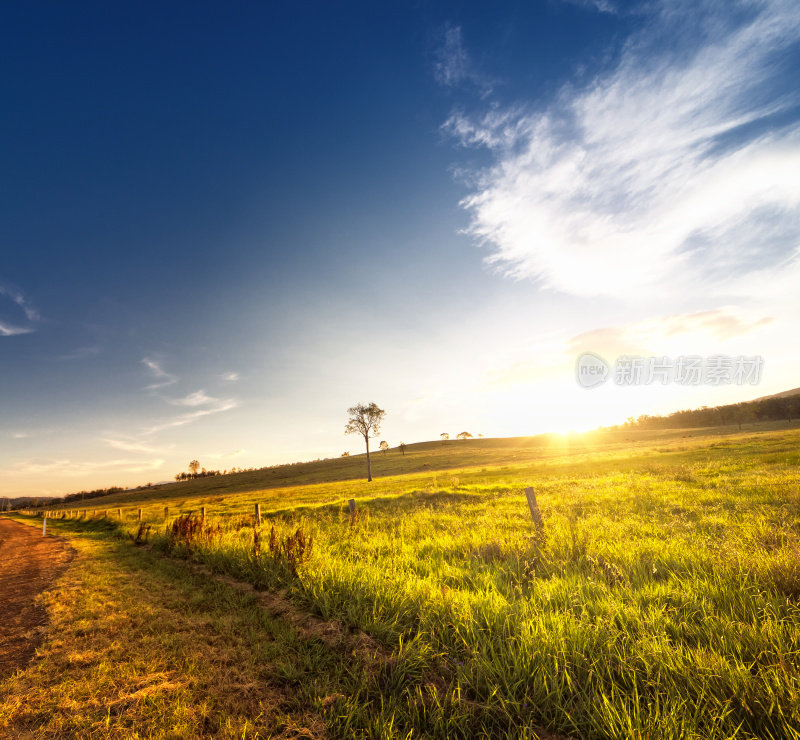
{"x": 784, "y": 406}
{"x": 783, "y": 394}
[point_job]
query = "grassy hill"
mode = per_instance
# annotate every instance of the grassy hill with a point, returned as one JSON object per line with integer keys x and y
{"x": 463, "y": 456}
{"x": 661, "y": 600}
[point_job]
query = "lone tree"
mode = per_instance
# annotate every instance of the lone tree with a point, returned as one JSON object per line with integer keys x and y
{"x": 445, "y": 436}
{"x": 403, "y": 448}
{"x": 463, "y": 435}
{"x": 384, "y": 445}
{"x": 365, "y": 419}
{"x": 194, "y": 466}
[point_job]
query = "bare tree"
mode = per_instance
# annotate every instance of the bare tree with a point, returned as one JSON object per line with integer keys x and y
{"x": 463, "y": 435}
{"x": 403, "y": 448}
{"x": 365, "y": 419}
{"x": 445, "y": 436}
{"x": 384, "y": 445}
{"x": 194, "y": 466}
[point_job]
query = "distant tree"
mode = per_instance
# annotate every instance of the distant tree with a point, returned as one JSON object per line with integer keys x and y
{"x": 384, "y": 445}
{"x": 445, "y": 436}
{"x": 464, "y": 435}
{"x": 345, "y": 454}
{"x": 365, "y": 419}
{"x": 403, "y": 448}
{"x": 480, "y": 436}
{"x": 194, "y": 466}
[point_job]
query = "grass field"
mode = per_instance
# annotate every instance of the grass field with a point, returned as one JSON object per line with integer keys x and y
{"x": 662, "y": 600}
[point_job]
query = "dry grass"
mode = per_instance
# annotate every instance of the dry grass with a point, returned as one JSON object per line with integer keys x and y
{"x": 155, "y": 651}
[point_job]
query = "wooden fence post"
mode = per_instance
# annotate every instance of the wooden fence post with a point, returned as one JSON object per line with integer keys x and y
{"x": 166, "y": 512}
{"x": 119, "y": 514}
{"x": 352, "y": 504}
{"x": 140, "y": 515}
{"x": 44, "y": 525}
{"x": 536, "y": 515}
{"x": 203, "y": 514}
{"x": 258, "y": 514}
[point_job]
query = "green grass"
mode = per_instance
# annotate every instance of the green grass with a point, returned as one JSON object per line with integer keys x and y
{"x": 427, "y": 457}
{"x": 662, "y": 602}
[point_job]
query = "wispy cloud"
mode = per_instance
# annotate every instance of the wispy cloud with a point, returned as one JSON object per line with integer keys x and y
{"x": 671, "y": 166}
{"x": 133, "y": 445}
{"x": 198, "y": 398}
{"x": 187, "y": 418}
{"x": 19, "y": 298}
{"x": 202, "y": 404}
{"x": 230, "y": 377}
{"x": 162, "y": 377}
{"x": 727, "y": 329}
{"x": 31, "y": 314}
{"x": 69, "y": 467}
{"x": 662, "y": 335}
{"x": 602, "y": 6}
{"x": 7, "y": 330}
{"x": 454, "y": 67}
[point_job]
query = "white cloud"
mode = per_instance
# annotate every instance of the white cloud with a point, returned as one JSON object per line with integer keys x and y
{"x": 453, "y": 66}
{"x": 726, "y": 330}
{"x": 19, "y": 298}
{"x": 198, "y": 398}
{"x": 162, "y": 378}
{"x": 68, "y": 467}
{"x": 189, "y": 417}
{"x": 128, "y": 445}
{"x": 7, "y": 330}
{"x": 31, "y": 314}
{"x": 666, "y": 168}
{"x": 231, "y": 377}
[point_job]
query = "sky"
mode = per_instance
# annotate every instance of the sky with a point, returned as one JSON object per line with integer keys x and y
{"x": 223, "y": 224}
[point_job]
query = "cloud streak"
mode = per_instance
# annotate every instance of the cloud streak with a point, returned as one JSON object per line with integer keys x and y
{"x": 162, "y": 377}
{"x": 31, "y": 314}
{"x": 8, "y": 330}
{"x": 198, "y": 398}
{"x": 69, "y": 467}
{"x": 218, "y": 407}
{"x": 669, "y": 166}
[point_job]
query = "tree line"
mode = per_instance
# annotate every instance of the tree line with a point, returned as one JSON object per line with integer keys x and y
{"x": 775, "y": 408}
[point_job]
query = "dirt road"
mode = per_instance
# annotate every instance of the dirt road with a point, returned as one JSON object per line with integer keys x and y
{"x": 28, "y": 564}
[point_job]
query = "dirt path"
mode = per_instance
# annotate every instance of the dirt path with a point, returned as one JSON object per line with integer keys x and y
{"x": 28, "y": 564}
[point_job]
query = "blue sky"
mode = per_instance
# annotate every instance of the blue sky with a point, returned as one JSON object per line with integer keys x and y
{"x": 223, "y": 224}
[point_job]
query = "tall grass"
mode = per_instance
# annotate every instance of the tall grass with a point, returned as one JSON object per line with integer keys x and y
{"x": 663, "y": 600}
